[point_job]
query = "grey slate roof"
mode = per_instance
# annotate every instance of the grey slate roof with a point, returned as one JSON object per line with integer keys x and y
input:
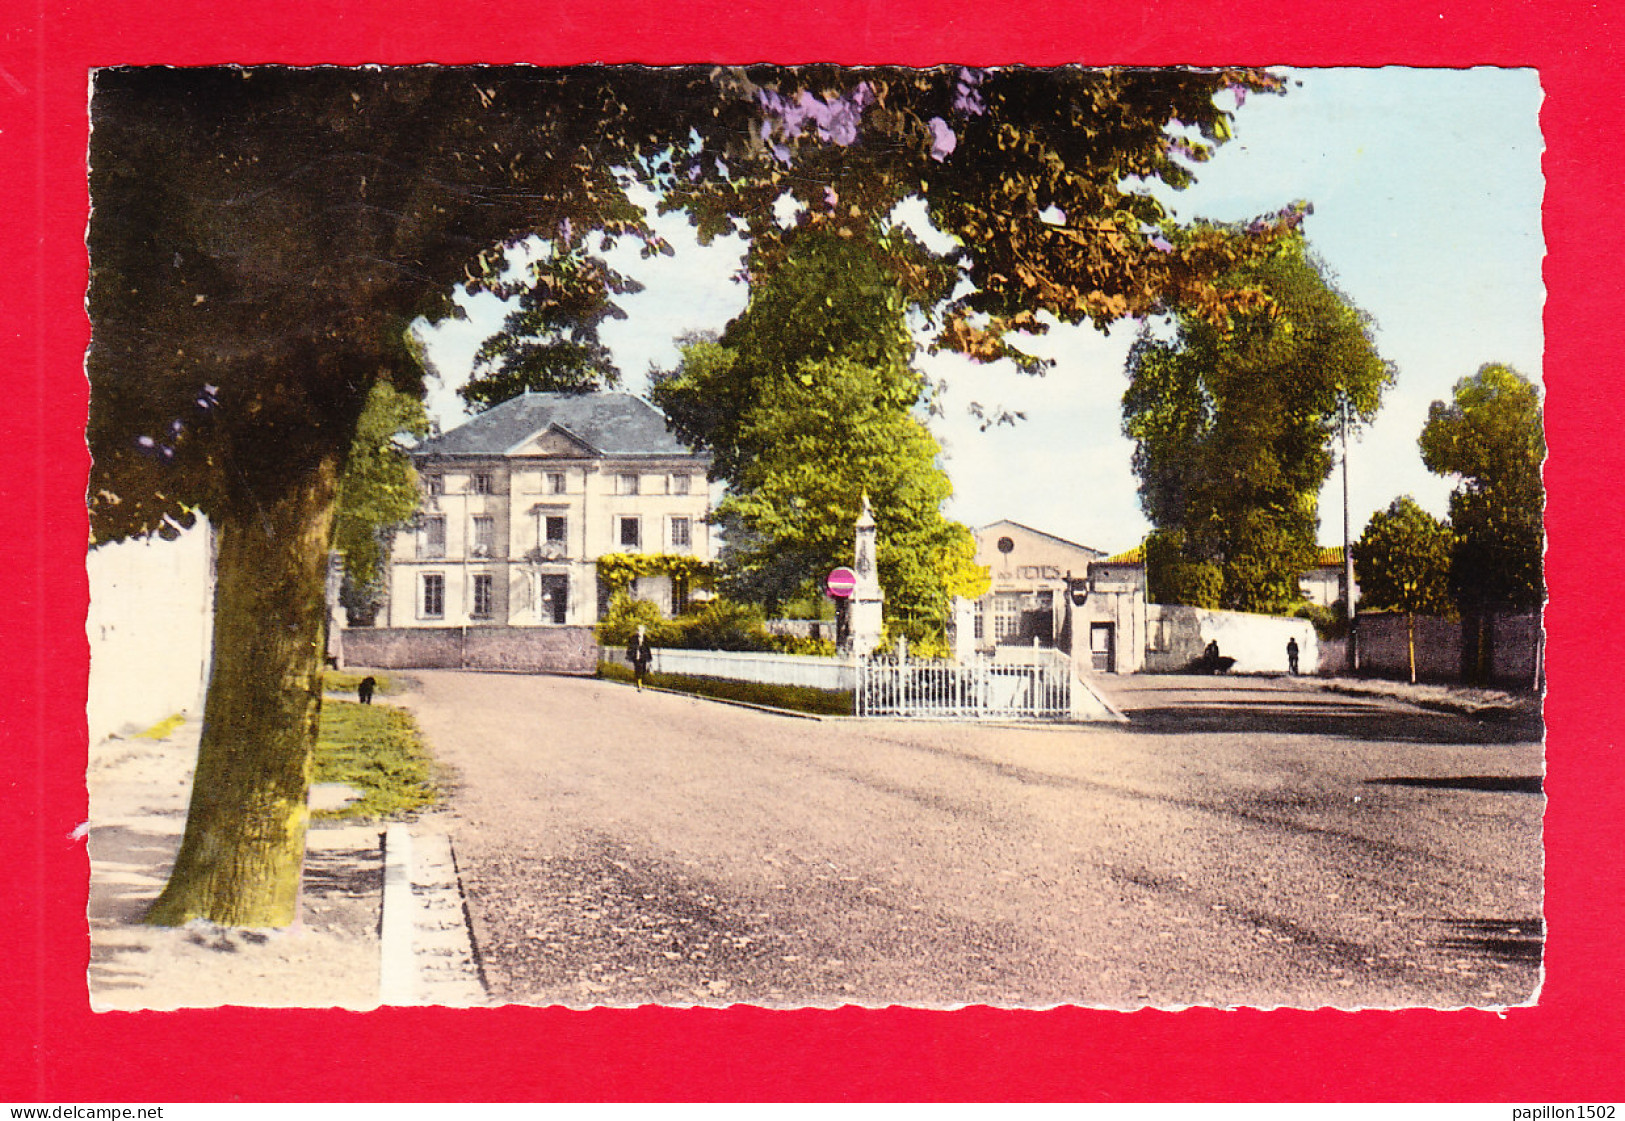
{"x": 612, "y": 424}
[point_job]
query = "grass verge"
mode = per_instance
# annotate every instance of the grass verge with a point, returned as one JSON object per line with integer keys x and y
{"x": 376, "y": 749}
{"x": 798, "y": 698}
{"x": 337, "y": 681}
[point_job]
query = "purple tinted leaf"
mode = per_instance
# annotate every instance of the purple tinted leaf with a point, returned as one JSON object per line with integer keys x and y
{"x": 967, "y": 94}
{"x": 1162, "y": 244}
{"x": 943, "y": 140}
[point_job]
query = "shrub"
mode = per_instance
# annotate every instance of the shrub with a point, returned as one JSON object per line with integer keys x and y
{"x": 624, "y": 617}
{"x": 722, "y": 624}
{"x": 804, "y": 645}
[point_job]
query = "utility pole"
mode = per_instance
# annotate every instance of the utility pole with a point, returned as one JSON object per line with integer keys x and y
{"x": 1348, "y": 555}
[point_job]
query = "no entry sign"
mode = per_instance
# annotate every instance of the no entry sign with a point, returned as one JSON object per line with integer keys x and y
{"x": 841, "y": 582}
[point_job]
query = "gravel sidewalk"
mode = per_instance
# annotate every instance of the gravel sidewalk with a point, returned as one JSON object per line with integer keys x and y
{"x": 330, "y": 958}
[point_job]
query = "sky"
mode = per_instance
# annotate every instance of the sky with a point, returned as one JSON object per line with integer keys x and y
{"x": 1426, "y": 188}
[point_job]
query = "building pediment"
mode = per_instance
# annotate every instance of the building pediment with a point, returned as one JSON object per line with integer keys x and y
{"x": 553, "y": 442}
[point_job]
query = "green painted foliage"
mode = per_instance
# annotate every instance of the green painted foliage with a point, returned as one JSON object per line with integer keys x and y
{"x": 1402, "y": 561}
{"x": 379, "y": 490}
{"x": 1492, "y": 439}
{"x": 808, "y": 402}
{"x": 1233, "y": 424}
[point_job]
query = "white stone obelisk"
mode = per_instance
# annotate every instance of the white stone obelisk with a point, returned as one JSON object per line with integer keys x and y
{"x": 866, "y": 598}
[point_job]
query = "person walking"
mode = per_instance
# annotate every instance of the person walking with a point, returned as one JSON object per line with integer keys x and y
{"x": 639, "y": 654}
{"x": 1292, "y": 656}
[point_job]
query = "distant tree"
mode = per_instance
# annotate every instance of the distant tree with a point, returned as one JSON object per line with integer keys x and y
{"x": 807, "y": 403}
{"x": 377, "y": 494}
{"x": 550, "y": 343}
{"x": 1233, "y": 423}
{"x": 1173, "y": 577}
{"x": 1402, "y": 563}
{"x": 1491, "y": 438}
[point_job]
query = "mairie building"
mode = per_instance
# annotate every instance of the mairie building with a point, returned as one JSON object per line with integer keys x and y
{"x": 521, "y": 501}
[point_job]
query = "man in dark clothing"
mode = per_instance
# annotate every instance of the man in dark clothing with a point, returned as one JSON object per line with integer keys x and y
{"x": 364, "y": 691}
{"x": 1292, "y": 656}
{"x": 639, "y": 654}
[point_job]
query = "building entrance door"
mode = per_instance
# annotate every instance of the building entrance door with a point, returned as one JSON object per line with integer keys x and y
{"x": 555, "y": 598}
{"x": 1103, "y": 647}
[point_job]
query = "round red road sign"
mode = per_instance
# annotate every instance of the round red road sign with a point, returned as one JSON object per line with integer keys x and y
{"x": 841, "y": 582}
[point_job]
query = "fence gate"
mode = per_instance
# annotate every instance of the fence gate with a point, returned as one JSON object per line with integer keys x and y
{"x": 1039, "y": 687}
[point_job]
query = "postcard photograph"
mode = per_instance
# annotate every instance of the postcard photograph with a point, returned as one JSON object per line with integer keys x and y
{"x": 810, "y": 536}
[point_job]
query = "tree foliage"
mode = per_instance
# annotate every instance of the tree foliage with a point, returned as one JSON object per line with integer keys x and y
{"x": 1034, "y": 173}
{"x": 1402, "y": 560}
{"x": 379, "y": 489}
{"x": 807, "y": 403}
{"x": 1491, "y": 438}
{"x": 550, "y": 342}
{"x": 1233, "y": 424}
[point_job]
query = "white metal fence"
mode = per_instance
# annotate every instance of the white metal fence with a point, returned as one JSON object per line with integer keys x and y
{"x": 1038, "y": 687}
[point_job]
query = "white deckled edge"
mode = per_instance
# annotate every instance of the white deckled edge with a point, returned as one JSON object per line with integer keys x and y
{"x": 397, "y": 971}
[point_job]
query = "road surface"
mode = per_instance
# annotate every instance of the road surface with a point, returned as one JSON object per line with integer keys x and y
{"x": 1243, "y": 842}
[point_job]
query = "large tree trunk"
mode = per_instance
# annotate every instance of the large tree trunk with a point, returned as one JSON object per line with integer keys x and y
{"x": 243, "y": 850}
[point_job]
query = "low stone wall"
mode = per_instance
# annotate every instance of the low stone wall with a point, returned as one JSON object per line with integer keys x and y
{"x": 1510, "y": 646}
{"x": 1383, "y": 647}
{"x": 571, "y": 650}
{"x": 1177, "y": 637}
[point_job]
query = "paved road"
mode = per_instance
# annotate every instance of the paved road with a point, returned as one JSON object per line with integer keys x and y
{"x": 1242, "y": 842}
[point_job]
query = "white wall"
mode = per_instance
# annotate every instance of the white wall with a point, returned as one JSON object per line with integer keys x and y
{"x": 149, "y": 623}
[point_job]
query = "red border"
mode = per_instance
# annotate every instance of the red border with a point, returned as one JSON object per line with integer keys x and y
{"x": 52, "y": 1048}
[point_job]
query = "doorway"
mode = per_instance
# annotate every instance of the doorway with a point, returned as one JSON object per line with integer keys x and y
{"x": 554, "y": 605}
{"x": 1103, "y": 647}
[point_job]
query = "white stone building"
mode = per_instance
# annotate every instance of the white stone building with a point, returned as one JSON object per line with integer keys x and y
{"x": 520, "y": 502}
{"x": 1029, "y": 570}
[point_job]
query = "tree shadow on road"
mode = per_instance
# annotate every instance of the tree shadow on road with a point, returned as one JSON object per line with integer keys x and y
{"x": 1511, "y": 940}
{"x": 1510, "y": 784}
{"x": 1350, "y": 721}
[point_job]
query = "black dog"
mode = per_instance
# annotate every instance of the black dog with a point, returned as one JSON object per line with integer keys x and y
{"x": 364, "y": 690}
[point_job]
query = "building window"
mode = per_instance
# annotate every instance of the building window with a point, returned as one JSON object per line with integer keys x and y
{"x": 604, "y": 597}
{"x": 432, "y": 538}
{"x": 555, "y": 482}
{"x": 679, "y": 595}
{"x": 631, "y": 535}
{"x": 680, "y": 535}
{"x": 484, "y": 528}
{"x": 680, "y": 484}
{"x": 433, "y": 484}
{"x": 1006, "y": 616}
{"x": 555, "y": 530}
{"x": 434, "y": 595}
{"x": 977, "y": 623}
{"x": 480, "y": 483}
{"x": 626, "y": 484}
{"x": 482, "y": 596}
